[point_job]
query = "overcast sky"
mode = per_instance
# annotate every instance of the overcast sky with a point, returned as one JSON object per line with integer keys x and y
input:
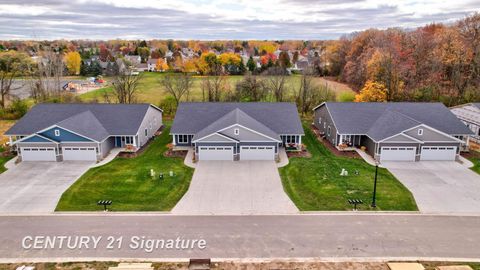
{"x": 217, "y": 19}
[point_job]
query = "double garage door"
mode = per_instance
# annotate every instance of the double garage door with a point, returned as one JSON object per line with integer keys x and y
{"x": 246, "y": 153}
{"x": 48, "y": 153}
{"x": 427, "y": 153}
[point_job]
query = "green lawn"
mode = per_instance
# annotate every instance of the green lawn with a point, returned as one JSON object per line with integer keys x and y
{"x": 315, "y": 184}
{"x": 151, "y": 91}
{"x": 475, "y": 159}
{"x": 3, "y": 160}
{"x": 128, "y": 184}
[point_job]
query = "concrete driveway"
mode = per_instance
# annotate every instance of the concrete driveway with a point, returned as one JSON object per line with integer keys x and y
{"x": 36, "y": 187}
{"x": 235, "y": 188}
{"x": 439, "y": 186}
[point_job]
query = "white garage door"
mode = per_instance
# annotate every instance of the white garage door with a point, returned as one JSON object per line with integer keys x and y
{"x": 38, "y": 154}
{"x": 257, "y": 153}
{"x": 398, "y": 154}
{"x": 438, "y": 153}
{"x": 215, "y": 153}
{"x": 79, "y": 153}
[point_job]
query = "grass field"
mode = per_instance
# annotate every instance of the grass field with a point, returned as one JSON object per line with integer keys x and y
{"x": 151, "y": 91}
{"x": 127, "y": 182}
{"x": 315, "y": 183}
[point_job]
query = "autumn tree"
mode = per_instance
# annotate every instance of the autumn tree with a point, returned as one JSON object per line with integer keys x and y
{"x": 177, "y": 85}
{"x": 309, "y": 94}
{"x": 161, "y": 65}
{"x": 73, "y": 61}
{"x": 250, "y": 88}
{"x": 372, "y": 92}
{"x": 208, "y": 63}
{"x": 125, "y": 86}
{"x": 12, "y": 65}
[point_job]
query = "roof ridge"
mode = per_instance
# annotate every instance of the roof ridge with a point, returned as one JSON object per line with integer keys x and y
{"x": 404, "y": 115}
{"x": 76, "y": 115}
{"x": 389, "y": 110}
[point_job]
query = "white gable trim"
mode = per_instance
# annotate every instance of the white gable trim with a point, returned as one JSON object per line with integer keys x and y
{"x": 215, "y": 133}
{"x": 404, "y": 135}
{"x": 436, "y": 130}
{"x": 33, "y": 135}
{"x": 261, "y": 134}
{"x": 52, "y": 126}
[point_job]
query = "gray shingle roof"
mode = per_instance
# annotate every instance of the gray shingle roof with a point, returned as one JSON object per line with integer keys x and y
{"x": 280, "y": 117}
{"x": 116, "y": 119}
{"x": 236, "y": 116}
{"x": 362, "y": 117}
{"x": 476, "y": 104}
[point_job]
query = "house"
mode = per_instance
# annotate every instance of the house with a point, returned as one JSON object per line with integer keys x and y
{"x": 237, "y": 131}
{"x": 152, "y": 64}
{"x": 469, "y": 114}
{"x": 392, "y": 131}
{"x": 59, "y": 132}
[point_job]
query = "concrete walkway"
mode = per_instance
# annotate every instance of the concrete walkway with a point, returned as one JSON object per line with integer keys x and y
{"x": 369, "y": 159}
{"x": 113, "y": 154}
{"x": 283, "y": 158}
{"x": 235, "y": 188}
{"x": 188, "y": 161}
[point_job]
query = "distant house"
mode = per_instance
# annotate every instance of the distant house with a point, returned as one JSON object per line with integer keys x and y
{"x": 59, "y": 132}
{"x": 469, "y": 114}
{"x": 152, "y": 64}
{"x": 392, "y": 131}
{"x": 135, "y": 60}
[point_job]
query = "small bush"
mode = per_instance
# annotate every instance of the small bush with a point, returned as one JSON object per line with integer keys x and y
{"x": 17, "y": 109}
{"x": 346, "y": 96}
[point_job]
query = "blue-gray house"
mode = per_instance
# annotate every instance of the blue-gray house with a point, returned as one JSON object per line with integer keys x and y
{"x": 58, "y": 132}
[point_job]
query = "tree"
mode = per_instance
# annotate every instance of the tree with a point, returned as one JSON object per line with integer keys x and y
{"x": 310, "y": 94}
{"x": 177, "y": 85}
{"x": 251, "y": 65}
{"x": 73, "y": 61}
{"x": 213, "y": 87}
{"x": 208, "y": 63}
{"x": 161, "y": 65}
{"x": 250, "y": 88}
{"x": 46, "y": 84}
{"x": 284, "y": 60}
{"x": 275, "y": 78}
{"x": 125, "y": 86}
{"x": 144, "y": 53}
{"x": 372, "y": 92}
{"x": 12, "y": 65}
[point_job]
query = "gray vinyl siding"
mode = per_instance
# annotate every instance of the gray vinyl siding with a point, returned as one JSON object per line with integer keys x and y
{"x": 215, "y": 138}
{"x": 369, "y": 144}
{"x": 327, "y": 119}
{"x": 151, "y": 115}
{"x": 107, "y": 145}
{"x": 244, "y": 134}
{"x": 399, "y": 138}
{"x": 428, "y": 135}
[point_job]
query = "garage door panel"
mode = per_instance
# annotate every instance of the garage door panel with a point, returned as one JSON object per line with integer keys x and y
{"x": 79, "y": 153}
{"x": 438, "y": 153}
{"x": 257, "y": 153}
{"x": 398, "y": 153}
{"x": 215, "y": 153}
{"x": 38, "y": 154}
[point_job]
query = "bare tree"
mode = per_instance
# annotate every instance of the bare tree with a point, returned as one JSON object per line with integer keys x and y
{"x": 12, "y": 65}
{"x": 125, "y": 86}
{"x": 251, "y": 88}
{"x": 177, "y": 85}
{"x": 310, "y": 94}
{"x": 275, "y": 78}
{"x": 214, "y": 87}
{"x": 46, "y": 80}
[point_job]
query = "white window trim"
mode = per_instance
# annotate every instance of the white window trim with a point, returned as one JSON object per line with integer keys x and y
{"x": 236, "y": 131}
{"x": 57, "y": 132}
{"x": 420, "y": 132}
{"x": 146, "y": 132}
{"x": 328, "y": 131}
{"x": 182, "y": 138}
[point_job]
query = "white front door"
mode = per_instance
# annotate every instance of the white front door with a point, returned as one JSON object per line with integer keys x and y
{"x": 38, "y": 154}
{"x": 79, "y": 153}
{"x": 438, "y": 153}
{"x": 401, "y": 153}
{"x": 215, "y": 153}
{"x": 257, "y": 153}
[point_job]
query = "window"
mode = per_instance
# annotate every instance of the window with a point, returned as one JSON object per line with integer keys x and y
{"x": 328, "y": 131}
{"x": 146, "y": 132}
{"x": 129, "y": 140}
{"x": 182, "y": 138}
{"x": 320, "y": 120}
{"x": 236, "y": 131}
{"x": 290, "y": 139}
{"x": 420, "y": 132}
{"x": 57, "y": 132}
{"x": 324, "y": 124}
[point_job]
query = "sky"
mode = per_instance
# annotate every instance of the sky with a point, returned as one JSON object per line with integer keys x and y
{"x": 218, "y": 19}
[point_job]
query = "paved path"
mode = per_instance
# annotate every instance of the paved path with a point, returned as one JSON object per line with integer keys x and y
{"x": 439, "y": 186}
{"x": 235, "y": 188}
{"x": 36, "y": 187}
{"x": 325, "y": 236}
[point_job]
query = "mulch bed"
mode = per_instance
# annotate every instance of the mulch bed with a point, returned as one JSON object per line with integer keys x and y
{"x": 135, "y": 154}
{"x": 333, "y": 149}
{"x": 471, "y": 154}
{"x": 177, "y": 153}
{"x": 303, "y": 153}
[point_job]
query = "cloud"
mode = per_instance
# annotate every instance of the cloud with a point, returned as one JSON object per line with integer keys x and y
{"x": 216, "y": 19}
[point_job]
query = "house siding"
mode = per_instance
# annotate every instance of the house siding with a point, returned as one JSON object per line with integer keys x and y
{"x": 106, "y": 146}
{"x": 244, "y": 134}
{"x": 151, "y": 115}
{"x": 35, "y": 139}
{"x": 322, "y": 112}
{"x": 65, "y": 135}
{"x": 369, "y": 144}
{"x": 429, "y": 135}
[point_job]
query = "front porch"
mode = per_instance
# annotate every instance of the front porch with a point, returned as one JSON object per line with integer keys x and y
{"x": 348, "y": 142}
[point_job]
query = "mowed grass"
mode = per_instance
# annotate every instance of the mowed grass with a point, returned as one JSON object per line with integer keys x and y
{"x": 475, "y": 159}
{"x": 315, "y": 184}
{"x": 128, "y": 184}
{"x": 151, "y": 91}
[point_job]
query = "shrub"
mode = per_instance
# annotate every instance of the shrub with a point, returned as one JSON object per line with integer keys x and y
{"x": 346, "y": 96}
{"x": 15, "y": 110}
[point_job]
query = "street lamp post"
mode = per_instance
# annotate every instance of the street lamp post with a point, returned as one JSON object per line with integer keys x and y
{"x": 374, "y": 199}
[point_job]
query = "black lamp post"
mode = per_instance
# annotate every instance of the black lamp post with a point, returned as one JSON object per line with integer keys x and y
{"x": 374, "y": 199}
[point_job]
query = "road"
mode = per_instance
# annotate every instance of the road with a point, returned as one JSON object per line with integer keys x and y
{"x": 293, "y": 236}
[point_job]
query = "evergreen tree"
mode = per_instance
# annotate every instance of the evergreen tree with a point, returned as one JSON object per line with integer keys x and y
{"x": 251, "y": 64}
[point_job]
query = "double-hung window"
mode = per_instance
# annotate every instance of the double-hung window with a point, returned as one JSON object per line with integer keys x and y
{"x": 182, "y": 138}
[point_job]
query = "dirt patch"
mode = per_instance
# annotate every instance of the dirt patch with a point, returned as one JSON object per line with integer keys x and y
{"x": 331, "y": 148}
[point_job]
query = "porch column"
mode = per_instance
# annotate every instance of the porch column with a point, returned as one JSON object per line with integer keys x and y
{"x": 135, "y": 141}
{"x": 174, "y": 137}
{"x": 299, "y": 141}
